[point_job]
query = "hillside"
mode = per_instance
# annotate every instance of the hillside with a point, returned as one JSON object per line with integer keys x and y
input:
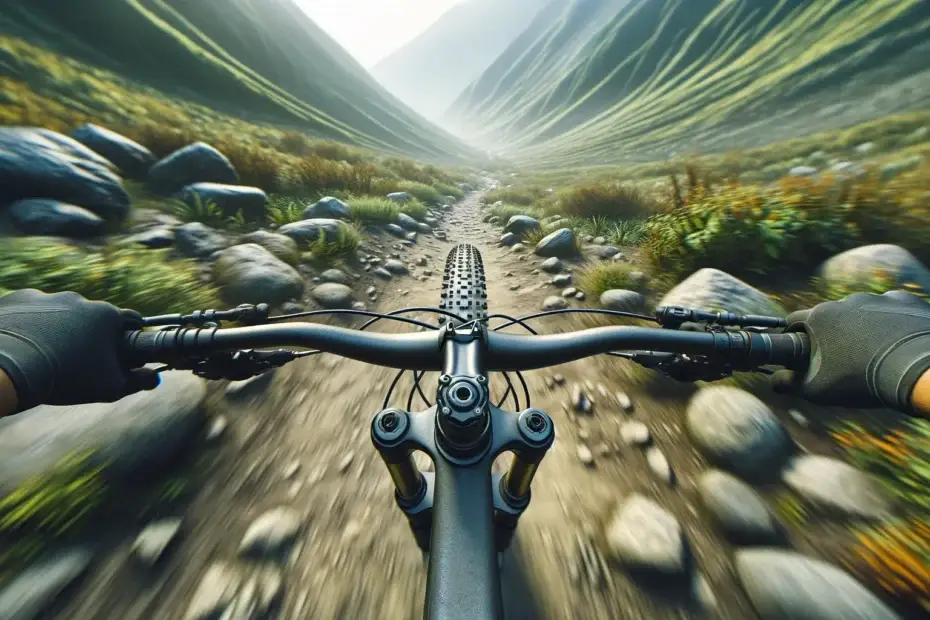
{"x": 432, "y": 70}
{"x": 259, "y": 59}
{"x": 607, "y": 81}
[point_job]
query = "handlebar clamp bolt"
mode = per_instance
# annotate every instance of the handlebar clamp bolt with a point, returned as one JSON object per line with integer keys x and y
{"x": 481, "y": 378}
{"x": 389, "y": 421}
{"x": 446, "y": 411}
{"x": 445, "y": 379}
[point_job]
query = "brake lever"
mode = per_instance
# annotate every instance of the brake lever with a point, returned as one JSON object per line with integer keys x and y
{"x": 240, "y": 365}
{"x": 681, "y": 367}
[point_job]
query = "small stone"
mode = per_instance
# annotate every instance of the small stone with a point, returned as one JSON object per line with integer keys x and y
{"x": 659, "y": 465}
{"x": 291, "y": 470}
{"x": 271, "y": 533}
{"x": 799, "y": 418}
{"x": 585, "y": 456}
{"x": 216, "y": 428}
{"x": 739, "y": 511}
{"x": 346, "y": 462}
{"x": 371, "y": 291}
{"x": 580, "y": 401}
{"x": 624, "y": 402}
{"x": 579, "y": 295}
{"x": 555, "y": 303}
{"x": 381, "y": 272}
{"x": 584, "y": 434}
{"x": 642, "y": 535}
{"x": 569, "y": 292}
{"x": 550, "y": 382}
{"x": 559, "y": 379}
{"x": 563, "y": 279}
{"x": 234, "y": 593}
{"x": 421, "y": 262}
{"x": 154, "y": 540}
{"x": 635, "y": 434}
{"x": 837, "y": 487}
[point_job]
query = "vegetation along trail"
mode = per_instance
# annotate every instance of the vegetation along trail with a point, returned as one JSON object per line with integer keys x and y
{"x": 295, "y": 513}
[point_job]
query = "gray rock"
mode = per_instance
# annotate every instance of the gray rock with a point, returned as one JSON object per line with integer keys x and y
{"x": 236, "y": 593}
{"x": 283, "y": 247}
{"x": 865, "y": 148}
{"x": 38, "y": 163}
{"x": 250, "y": 274}
{"x": 555, "y": 303}
{"x": 140, "y": 433}
{"x": 196, "y": 163}
{"x": 585, "y": 455}
{"x": 333, "y": 295}
{"x": 563, "y": 279}
{"x": 847, "y": 170}
{"x": 431, "y": 221}
{"x": 335, "y": 275}
{"x": 215, "y": 430}
{"x": 424, "y": 228}
{"x": 407, "y": 223}
{"x": 519, "y": 224}
{"x": 803, "y": 171}
{"x": 272, "y": 533}
{"x": 569, "y": 292}
{"x": 659, "y": 465}
{"x": 197, "y": 240}
{"x": 623, "y": 300}
{"x": 411, "y": 237}
{"x": 230, "y": 199}
{"x": 837, "y": 487}
{"x": 644, "y": 536}
{"x": 738, "y": 509}
{"x": 37, "y": 216}
{"x": 421, "y": 262}
{"x": 33, "y": 591}
{"x": 131, "y": 158}
{"x": 399, "y": 197}
{"x": 784, "y": 585}
{"x": 153, "y": 238}
{"x": 579, "y": 295}
{"x": 396, "y": 267}
{"x": 306, "y": 232}
{"x": 395, "y": 230}
{"x": 560, "y": 243}
{"x": 738, "y": 431}
{"x": 857, "y": 266}
{"x": 381, "y": 272}
{"x": 518, "y": 248}
{"x": 624, "y": 402}
{"x": 606, "y": 251}
{"x": 154, "y": 540}
{"x": 509, "y": 239}
{"x": 551, "y": 265}
{"x": 328, "y": 207}
{"x": 600, "y": 241}
{"x": 714, "y": 291}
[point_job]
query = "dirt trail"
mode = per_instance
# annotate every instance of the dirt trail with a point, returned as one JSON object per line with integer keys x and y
{"x": 357, "y": 559}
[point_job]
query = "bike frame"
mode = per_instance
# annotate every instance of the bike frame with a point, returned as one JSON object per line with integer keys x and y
{"x": 464, "y": 514}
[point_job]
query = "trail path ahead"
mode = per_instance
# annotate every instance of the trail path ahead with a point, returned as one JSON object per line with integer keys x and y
{"x": 300, "y": 442}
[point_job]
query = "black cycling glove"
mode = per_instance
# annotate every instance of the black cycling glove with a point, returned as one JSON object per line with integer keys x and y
{"x": 61, "y": 349}
{"x": 866, "y": 351}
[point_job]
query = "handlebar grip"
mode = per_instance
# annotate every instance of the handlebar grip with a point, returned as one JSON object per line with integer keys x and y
{"x": 144, "y": 347}
{"x": 791, "y": 350}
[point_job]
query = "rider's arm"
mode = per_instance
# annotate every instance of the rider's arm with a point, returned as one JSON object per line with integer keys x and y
{"x": 9, "y": 401}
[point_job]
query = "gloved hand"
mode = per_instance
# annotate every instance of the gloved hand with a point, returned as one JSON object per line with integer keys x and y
{"x": 61, "y": 349}
{"x": 866, "y": 351}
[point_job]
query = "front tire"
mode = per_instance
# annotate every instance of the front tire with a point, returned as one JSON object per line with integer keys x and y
{"x": 464, "y": 288}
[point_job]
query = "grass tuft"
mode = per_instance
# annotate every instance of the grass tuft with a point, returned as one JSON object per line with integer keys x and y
{"x": 595, "y": 278}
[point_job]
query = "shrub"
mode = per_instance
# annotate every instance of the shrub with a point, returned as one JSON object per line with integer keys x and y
{"x": 627, "y": 232}
{"x": 313, "y": 174}
{"x": 285, "y": 210}
{"x": 422, "y": 192}
{"x": 373, "y": 209}
{"x": 595, "y": 278}
{"x": 257, "y": 166}
{"x": 414, "y": 208}
{"x": 197, "y": 210}
{"x": 605, "y": 199}
{"x": 139, "y": 279}
{"x": 895, "y": 556}
{"x": 449, "y": 190}
{"x": 505, "y": 212}
{"x": 408, "y": 170}
{"x": 515, "y": 195}
{"x": 345, "y": 244}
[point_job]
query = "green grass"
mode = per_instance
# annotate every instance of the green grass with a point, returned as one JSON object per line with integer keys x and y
{"x": 421, "y": 191}
{"x": 138, "y": 279}
{"x": 595, "y": 278}
{"x": 325, "y": 250}
{"x": 515, "y": 195}
{"x": 506, "y": 211}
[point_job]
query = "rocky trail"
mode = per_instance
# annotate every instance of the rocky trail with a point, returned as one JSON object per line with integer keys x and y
{"x": 295, "y": 516}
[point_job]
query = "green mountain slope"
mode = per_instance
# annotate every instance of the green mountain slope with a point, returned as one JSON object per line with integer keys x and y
{"x": 432, "y": 70}
{"x": 602, "y": 81}
{"x": 262, "y": 58}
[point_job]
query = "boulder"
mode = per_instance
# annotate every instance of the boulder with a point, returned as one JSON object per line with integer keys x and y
{"x": 333, "y": 295}
{"x": 250, "y": 274}
{"x": 784, "y": 585}
{"x": 37, "y": 163}
{"x": 197, "y": 163}
{"x": 560, "y": 243}
{"x": 407, "y": 223}
{"x": 153, "y": 238}
{"x": 230, "y": 199}
{"x": 623, "y": 300}
{"x": 131, "y": 158}
{"x": 738, "y": 431}
{"x": 197, "y": 240}
{"x": 740, "y": 512}
{"x": 335, "y": 275}
{"x": 859, "y": 265}
{"x": 714, "y": 291}
{"x": 555, "y": 302}
{"x": 328, "y": 207}
{"x": 519, "y": 224}
{"x": 395, "y": 230}
{"x": 606, "y": 252}
{"x": 399, "y": 197}
{"x": 509, "y": 239}
{"x": 283, "y": 247}
{"x": 837, "y": 487}
{"x": 36, "y": 589}
{"x": 136, "y": 435}
{"x": 36, "y": 216}
{"x": 644, "y": 536}
{"x": 310, "y": 231}
{"x": 551, "y": 265}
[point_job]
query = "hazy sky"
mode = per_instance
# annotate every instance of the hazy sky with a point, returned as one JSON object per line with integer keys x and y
{"x": 372, "y": 29}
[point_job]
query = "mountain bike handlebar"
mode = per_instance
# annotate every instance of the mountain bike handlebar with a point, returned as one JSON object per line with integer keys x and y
{"x": 505, "y": 352}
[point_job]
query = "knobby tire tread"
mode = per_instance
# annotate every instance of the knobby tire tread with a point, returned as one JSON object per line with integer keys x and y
{"x": 464, "y": 288}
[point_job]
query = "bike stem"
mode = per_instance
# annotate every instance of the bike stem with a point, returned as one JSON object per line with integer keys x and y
{"x": 463, "y": 514}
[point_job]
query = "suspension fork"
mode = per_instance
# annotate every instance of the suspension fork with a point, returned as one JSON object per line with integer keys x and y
{"x": 475, "y": 511}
